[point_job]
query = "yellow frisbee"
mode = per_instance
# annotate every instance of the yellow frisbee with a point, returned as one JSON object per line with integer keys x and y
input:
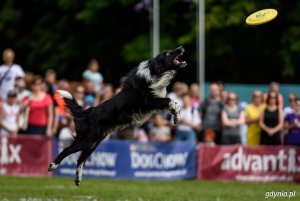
{"x": 261, "y": 17}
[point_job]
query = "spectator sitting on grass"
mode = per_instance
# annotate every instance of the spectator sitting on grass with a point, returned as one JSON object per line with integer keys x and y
{"x": 9, "y": 112}
{"x": 160, "y": 132}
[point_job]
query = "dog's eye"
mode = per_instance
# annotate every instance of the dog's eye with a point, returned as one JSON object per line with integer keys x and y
{"x": 168, "y": 54}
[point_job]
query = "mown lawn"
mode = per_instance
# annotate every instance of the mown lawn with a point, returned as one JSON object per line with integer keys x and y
{"x": 57, "y": 189}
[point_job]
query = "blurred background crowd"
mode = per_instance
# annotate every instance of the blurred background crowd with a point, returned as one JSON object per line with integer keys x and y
{"x": 30, "y": 105}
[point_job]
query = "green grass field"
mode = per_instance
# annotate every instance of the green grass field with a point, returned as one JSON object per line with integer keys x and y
{"x": 56, "y": 189}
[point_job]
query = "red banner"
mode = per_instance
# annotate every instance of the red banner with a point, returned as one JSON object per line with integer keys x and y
{"x": 262, "y": 163}
{"x": 25, "y": 155}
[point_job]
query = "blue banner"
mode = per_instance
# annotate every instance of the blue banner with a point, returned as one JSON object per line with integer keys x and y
{"x": 135, "y": 160}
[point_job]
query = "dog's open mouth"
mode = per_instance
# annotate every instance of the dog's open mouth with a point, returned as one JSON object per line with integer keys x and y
{"x": 177, "y": 61}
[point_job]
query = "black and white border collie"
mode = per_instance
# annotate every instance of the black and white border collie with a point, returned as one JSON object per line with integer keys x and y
{"x": 143, "y": 94}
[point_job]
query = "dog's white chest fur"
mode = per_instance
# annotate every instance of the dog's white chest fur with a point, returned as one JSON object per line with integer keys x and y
{"x": 158, "y": 84}
{"x": 160, "y": 93}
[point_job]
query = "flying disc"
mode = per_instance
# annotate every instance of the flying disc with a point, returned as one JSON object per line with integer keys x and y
{"x": 261, "y": 17}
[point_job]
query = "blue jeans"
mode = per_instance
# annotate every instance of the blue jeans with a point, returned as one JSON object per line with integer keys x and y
{"x": 185, "y": 135}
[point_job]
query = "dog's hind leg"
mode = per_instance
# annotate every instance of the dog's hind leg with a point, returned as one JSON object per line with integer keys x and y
{"x": 75, "y": 147}
{"x": 79, "y": 170}
{"x": 81, "y": 161}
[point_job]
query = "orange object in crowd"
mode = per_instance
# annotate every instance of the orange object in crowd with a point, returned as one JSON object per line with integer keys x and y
{"x": 210, "y": 134}
{"x": 61, "y": 103}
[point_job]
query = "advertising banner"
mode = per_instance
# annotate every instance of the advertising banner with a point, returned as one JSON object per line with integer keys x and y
{"x": 134, "y": 160}
{"x": 25, "y": 155}
{"x": 261, "y": 163}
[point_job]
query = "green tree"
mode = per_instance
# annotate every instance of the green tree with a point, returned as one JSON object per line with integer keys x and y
{"x": 65, "y": 34}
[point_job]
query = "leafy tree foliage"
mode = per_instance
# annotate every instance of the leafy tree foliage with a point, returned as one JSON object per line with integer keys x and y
{"x": 65, "y": 34}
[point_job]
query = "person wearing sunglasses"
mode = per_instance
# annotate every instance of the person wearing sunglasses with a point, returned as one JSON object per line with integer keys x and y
{"x": 271, "y": 121}
{"x": 252, "y": 114}
{"x": 292, "y": 100}
{"x": 232, "y": 118}
{"x": 40, "y": 104}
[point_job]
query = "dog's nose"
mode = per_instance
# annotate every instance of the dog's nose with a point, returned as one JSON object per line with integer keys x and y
{"x": 181, "y": 49}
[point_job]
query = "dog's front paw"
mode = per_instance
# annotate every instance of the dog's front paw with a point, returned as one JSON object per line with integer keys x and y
{"x": 52, "y": 166}
{"x": 174, "y": 107}
{"x": 176, "y": 119}
{"x": 175, "y": 111}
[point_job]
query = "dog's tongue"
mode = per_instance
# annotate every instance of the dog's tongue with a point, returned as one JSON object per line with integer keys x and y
{"x": 176, "y": 62}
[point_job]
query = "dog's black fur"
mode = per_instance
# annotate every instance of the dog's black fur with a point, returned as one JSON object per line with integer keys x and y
{"x": 143, "y": 94}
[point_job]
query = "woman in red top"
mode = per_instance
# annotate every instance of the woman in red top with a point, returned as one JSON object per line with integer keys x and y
{"x": 40, "y": 103}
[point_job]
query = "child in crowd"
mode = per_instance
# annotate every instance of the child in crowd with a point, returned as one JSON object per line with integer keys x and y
{"x": 160, "y": 132}
{"x": 209, "y": 137}
{"x": 93, "y": 75}
{"x": 9, "y": 113}
{"x": 67, "y": 133}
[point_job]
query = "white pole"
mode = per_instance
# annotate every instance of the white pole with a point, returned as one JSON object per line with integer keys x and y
{"x": 155, "y": 28}
{"x": 201, "y": 46}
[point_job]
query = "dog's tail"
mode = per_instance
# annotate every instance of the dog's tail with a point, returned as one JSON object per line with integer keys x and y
{"x": 78, "y": 113}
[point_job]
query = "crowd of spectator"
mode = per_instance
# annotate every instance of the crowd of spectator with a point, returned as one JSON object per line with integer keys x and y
{"x": 30, "y": 105}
